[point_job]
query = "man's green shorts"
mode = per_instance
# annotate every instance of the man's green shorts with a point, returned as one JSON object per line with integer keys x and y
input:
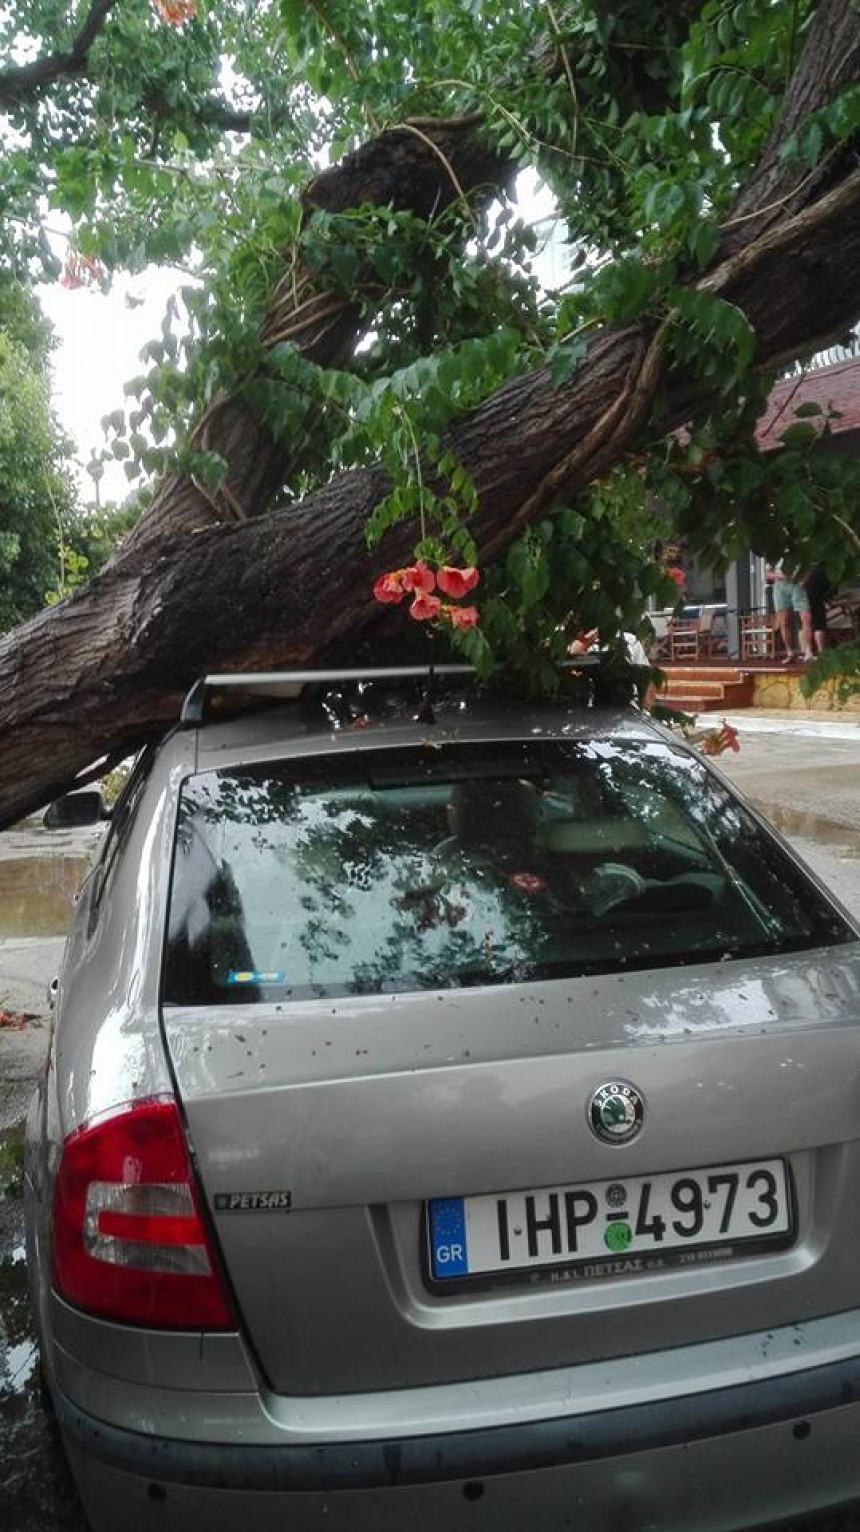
{"x": 789, "y": 597}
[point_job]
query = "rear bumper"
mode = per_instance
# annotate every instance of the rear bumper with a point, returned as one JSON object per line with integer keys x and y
{"x": 740, "y": 1457}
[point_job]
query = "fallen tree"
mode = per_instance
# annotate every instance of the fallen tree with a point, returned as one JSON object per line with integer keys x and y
{"x": 207, "y": 582}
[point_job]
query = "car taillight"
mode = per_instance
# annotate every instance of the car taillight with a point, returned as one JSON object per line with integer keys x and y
{"x": 129, "y": 1240}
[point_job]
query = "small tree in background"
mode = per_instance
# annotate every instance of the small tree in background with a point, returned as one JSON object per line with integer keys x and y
{"x": 37, "y": 495}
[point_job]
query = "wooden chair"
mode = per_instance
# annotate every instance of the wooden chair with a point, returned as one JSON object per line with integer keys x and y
{"x": 712, "y": 635}
{"x": 659, "y": 648}
{"x": 684, "y": 638}
{"x": 758, "y": 636}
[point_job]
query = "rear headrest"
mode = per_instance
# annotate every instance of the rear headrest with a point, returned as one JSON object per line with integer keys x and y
{"x": 493, "y": 812}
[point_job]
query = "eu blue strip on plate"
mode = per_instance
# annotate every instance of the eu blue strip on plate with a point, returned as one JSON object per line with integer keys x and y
{"x": 448, "y": 1237}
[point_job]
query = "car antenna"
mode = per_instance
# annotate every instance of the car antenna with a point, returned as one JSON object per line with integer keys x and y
{"x": 427, "y": 710}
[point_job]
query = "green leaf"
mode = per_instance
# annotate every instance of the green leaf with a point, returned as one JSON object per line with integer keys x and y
{"x": 703, "y": 240}
{"x": 799, "y": 435}
{"x": 564, "y": 359}
{"x": 812, "y": 142}
{"x": 808, "y": 409}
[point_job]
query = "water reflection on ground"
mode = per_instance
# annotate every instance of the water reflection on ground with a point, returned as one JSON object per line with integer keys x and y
{"x": 36, "y": 893}
{"x": 813, "y": 827}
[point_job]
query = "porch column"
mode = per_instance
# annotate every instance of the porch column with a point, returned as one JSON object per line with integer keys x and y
{"x": 738, "y": 599}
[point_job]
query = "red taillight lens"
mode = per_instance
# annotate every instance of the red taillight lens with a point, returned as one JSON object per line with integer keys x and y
{"x": 129, "y": 1240}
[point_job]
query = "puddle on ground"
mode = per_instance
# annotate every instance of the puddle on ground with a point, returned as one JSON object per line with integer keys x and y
{"x": 812, "y": 827}
{"x": 36, "y": 894}
{"x": 36, "y": 1488}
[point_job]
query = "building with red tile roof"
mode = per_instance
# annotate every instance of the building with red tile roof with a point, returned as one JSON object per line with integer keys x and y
{"x": 835, "y": 388}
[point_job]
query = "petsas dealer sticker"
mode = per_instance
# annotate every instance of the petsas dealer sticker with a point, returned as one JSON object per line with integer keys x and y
{"x": 719, "y": 1205}
{"x": 253, "y": 1202}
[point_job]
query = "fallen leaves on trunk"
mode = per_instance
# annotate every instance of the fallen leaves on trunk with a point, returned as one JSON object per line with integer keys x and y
{"x": 15, "y": 1020}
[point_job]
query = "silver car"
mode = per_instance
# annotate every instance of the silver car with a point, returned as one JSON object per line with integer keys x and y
{"x": 451, "y": 1120}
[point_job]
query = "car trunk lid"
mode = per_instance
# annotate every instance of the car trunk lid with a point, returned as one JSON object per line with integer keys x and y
{"x": 321, "y": 1130}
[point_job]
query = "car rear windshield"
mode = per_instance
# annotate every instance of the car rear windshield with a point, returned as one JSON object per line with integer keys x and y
{"x": 458, "y": 865}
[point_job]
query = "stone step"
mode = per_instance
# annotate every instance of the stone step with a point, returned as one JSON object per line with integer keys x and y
{"x": 696, "y": 704}
{"x": 692, "y": 695}
{"x": 728, "y": 673}
{"x": 683, "y": 684}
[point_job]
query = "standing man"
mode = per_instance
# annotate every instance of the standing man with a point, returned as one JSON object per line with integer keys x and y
{"x": 789, "y": 601}
{"x": 817, "y": 587}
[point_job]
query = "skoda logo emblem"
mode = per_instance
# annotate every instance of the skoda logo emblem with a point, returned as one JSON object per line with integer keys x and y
{"x": 616, "y": 1112}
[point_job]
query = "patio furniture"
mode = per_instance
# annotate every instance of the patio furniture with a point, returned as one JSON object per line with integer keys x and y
{"x": 758, "y": 635}
{"x": 843, "y": 615}
{"x": 697, "y": 637}
{"x": 713, "y": 639}
{"x": 683, "y": 636}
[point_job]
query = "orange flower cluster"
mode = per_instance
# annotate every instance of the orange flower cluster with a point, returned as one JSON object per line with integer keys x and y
{"x": 421, "y": 582}
{"x": 175, "y": 12}
{"x": 718, "y": 740}
{"x": 80, "y": 270}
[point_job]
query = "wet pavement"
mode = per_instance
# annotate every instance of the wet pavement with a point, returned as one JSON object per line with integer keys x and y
{"x": 808, "y": 787}
{"x": 35, "y": 895}
{"x": 36, "y": 1490}
{"x": 39, "y": 875}
{"x": 40, "y": 872}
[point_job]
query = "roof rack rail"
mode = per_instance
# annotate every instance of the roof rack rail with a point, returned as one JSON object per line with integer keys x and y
{"x": 290, "y": 685}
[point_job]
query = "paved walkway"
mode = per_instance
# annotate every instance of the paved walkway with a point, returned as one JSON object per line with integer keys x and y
{"x": 803, "y": 773}
{"x": 795, "y": 723}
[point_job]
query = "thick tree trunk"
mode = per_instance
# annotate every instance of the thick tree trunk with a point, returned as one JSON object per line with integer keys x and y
{"x": 107, "y": 668}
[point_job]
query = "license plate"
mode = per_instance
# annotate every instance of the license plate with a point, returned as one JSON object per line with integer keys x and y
{"x": 608, "y": 1220}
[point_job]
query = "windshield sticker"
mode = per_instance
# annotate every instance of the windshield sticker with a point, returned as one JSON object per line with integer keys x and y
{"x": 256, "y": 976}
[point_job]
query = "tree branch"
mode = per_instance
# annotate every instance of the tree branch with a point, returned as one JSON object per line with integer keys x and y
{"x": 423, "y": 171}
{"x": 17, "y": 85}
{"x": 828, "y": 65}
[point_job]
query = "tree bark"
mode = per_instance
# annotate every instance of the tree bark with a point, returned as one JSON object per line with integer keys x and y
{"x": 107, "y": 668}
{"x": 782, "y": 186}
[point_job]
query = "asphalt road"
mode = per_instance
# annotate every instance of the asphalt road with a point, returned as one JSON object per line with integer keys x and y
{"x": 808, "y": 786}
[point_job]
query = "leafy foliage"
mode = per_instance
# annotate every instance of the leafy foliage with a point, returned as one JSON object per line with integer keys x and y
{"x": 574, "y": 571}
{"x": 838, "y": 669}
{"x": 192, "y": 147}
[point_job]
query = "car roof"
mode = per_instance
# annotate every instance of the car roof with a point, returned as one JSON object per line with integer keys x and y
{"x": 298, "y": 713}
